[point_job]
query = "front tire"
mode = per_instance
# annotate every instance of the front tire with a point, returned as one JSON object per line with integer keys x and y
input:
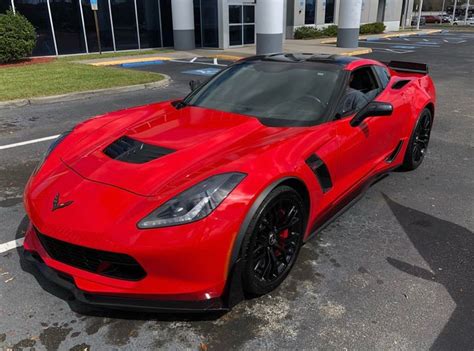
{"x": 273, "y": 240}
{"x": 418, "y": 143}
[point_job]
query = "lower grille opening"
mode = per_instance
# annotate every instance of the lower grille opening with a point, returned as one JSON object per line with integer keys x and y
{"x": 110, "y": 264}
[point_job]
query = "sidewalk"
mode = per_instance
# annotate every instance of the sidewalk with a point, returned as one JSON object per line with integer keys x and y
{"x": 316, "y": 46}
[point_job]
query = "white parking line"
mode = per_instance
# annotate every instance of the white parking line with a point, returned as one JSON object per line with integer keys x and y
{"x": 9, "y": 146}
{"x": 11, "y": 245}
{"x": 199, "y": 63}
{"x": 392, "y": 50}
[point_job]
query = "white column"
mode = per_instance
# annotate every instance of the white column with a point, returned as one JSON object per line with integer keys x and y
{"x": 183, "y": 24}
{"x": 269, "y": 26}
{"x": 349, "y": 23}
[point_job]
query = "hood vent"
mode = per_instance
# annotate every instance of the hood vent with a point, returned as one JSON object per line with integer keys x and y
{"x": 130, "y": 150}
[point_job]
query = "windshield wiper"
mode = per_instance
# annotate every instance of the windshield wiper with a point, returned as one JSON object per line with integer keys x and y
{"x": 179, "y": 104}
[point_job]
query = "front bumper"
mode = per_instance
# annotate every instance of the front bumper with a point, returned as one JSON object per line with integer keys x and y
{"x": 116, "y": 302}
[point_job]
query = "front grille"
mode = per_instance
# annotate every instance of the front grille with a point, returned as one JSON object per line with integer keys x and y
{"x": 111, "y": 264}
{"x": 130, "y": 150}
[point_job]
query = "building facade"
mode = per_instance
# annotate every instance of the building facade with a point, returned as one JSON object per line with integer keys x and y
{"x": 321, "y": 13}
{"x": 68, "y": 27}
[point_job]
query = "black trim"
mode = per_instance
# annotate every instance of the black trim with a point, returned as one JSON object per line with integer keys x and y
{"x": 404, "y": 66}
{"x": 321, "y": 171}
{"x": 400, "y": 84}
{"x": 344, "y": 204}
{"x": 130, "y": 150}
{"x": 395, "y": 152}
{"x": 248, "y": 218}
{"x": 106, "y": 263}
{"x": 123, "y": 303}
{"x": 341, "y": 60}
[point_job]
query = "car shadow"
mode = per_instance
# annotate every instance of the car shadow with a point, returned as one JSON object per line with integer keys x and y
{"x": 86, "y": 310}
{"x": 448, "y": 249}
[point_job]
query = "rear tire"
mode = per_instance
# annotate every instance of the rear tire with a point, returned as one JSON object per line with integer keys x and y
{"x": 418, "y": 143}
{"x": 273, "y": 240}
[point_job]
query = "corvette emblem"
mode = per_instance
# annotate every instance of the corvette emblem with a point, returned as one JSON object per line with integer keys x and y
{"x": 58, "y": 205}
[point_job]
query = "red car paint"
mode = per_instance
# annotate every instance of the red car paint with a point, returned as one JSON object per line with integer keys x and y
{"x": 192, "y": 261}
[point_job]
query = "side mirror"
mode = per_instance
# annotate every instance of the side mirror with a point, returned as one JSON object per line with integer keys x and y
{"x": 372, "y": 109}
{"x": 194, "y": 84}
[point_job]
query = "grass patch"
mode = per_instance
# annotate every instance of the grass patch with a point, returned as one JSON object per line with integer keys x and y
{"x": 112, "y": 54}
{"x": 61, "y": 77}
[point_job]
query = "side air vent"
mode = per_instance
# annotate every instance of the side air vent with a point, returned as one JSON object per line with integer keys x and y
{"x": 400, "y": 84}
{"x": 130, "y": 150}
{"x": 321, "y": 171}
{"x": 395, "y": 152}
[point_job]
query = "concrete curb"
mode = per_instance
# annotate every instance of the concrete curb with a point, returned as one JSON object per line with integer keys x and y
{"x": 115, "y": 62}
{"x": 83, "y": 94}
{"x": 357, "y": 52}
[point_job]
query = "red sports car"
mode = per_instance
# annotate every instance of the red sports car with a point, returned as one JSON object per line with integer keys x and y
{"x": 194, "y": 204}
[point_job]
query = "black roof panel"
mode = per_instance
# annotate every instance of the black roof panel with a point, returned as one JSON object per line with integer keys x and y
{"x": 304, "y": 57}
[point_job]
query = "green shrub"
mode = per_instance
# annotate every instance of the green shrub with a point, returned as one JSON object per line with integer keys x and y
{"x": 372, "y": 28}
{"x": 17, "y": 37}
{"x": 331, "y": 31}
{"x": 307, "y": 33}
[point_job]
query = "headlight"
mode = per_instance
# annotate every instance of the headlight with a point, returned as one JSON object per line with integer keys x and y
{"x": 51, "y": 147}
{"x": 194, "y": 203}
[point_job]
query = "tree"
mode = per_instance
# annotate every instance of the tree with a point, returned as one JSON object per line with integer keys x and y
{"x": 17, "y": 37}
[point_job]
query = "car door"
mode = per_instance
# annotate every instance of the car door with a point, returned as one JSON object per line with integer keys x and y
{"x": 364, "y": 147}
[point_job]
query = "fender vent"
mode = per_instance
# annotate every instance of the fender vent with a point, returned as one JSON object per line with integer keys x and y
{"x": 394, "y": 153}
{"x": 130, "y": 150}
{"x": 321, "y": 171}
{"x": 400, "y": 84}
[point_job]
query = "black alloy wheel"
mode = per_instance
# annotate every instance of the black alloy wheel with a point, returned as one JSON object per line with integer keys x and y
{"x": 273, "y": 240}
{"x": 418, "y": 143}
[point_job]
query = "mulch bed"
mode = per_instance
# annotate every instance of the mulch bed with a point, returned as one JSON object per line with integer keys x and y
{"x": 29, "y": 61}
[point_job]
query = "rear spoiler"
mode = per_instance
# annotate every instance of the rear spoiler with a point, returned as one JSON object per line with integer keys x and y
{"x": 413, "y": 67}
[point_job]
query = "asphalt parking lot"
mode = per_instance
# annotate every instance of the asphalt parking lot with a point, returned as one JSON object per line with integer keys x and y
{"x": 395, "y": 272}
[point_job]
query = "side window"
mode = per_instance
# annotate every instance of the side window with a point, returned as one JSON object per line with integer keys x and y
{"x": 384, "y": 76}
{"x": 362, "y": 88}
{"x": 363, "y": 80}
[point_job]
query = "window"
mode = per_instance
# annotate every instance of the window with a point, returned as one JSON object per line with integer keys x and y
{"x": 5, "y": 5}
{"x": 166, "y": 22}
{"x": 37, "y": 13}
{"x": 249, "y": 26}
{"x": 104, "y": 26}
{"x": 149, "y": 23}
{"x": 125, "y": 26}
{"x": 241, "y": 24}
{"x": 310, "y": 12}
{"x": 363, "y": 79}
{"x": 362, "y": 89}
{"x": 197, "y": 22}
{"x": 384, "y": 76}
{"x": 249, "y": 14}
{"x": 210, "y": 23}
{"x": 235, "y": 35}
{"x": 68, "y": 26}
{"x": 278, "y": 93}
{"x": 329, "y": 12}
{"x": 235, "y": 14}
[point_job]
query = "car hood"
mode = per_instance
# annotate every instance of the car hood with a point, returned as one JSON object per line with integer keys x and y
{"x": 198, "y": 142}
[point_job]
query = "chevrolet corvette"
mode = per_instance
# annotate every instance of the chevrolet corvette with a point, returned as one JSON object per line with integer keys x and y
{"x": 195, "y": 204}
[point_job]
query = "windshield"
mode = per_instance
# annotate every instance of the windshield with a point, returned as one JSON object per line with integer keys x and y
{"x": 278, "y": 93}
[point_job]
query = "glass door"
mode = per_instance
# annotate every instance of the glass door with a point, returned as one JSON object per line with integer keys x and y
{"x": 241, "y": 25}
